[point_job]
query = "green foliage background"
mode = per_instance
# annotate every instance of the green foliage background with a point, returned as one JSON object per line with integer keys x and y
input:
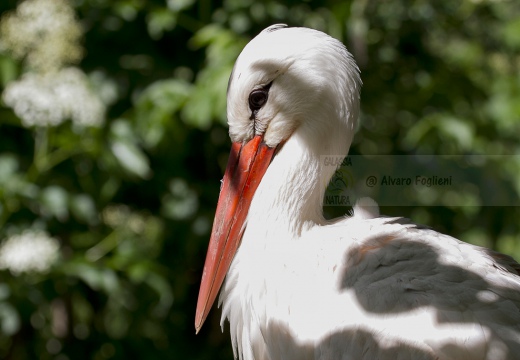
{"x": 439, "y": 78}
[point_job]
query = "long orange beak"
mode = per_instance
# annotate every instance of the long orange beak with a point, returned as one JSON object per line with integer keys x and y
{"x": 246, "y": 166}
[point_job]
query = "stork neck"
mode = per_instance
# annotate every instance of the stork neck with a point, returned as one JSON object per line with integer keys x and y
{"x": 289, "y": 198}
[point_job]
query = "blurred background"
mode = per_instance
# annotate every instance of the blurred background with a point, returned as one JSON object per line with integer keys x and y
{"x": 113, "y": 140}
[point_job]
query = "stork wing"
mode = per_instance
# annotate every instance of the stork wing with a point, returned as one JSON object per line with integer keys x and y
{"x": 429, "y": 295}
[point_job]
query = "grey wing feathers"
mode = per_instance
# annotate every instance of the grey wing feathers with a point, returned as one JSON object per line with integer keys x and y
{"x": 402, "y": 270}
{"x": 504, "y": 262}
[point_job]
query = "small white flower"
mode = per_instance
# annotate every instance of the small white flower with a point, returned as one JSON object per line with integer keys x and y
{"x": 44, "y": 32}
{"x": 51, "y": 98}
{"x": 31, "y": 251}
{"x": 46, "y": 35}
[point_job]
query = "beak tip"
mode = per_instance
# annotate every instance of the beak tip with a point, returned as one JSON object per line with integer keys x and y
{"x": 199, "y": 321}
{"x": 198, "y": 325}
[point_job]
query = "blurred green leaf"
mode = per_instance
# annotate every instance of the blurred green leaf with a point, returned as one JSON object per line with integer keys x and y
{"x": 178, "y": 5}
{"x": 8, "y": 70}
{"x": 159, "y": 21}
{"x": 54, "y": 202}
{"x": 8, "y": 167}
{"x": 126, "y": 150}
{"x": 84, "y": 208}
{"x": 181, "y": 202}
{"x": 511, "y": 32}
{"x": 10, "y": 321}
{"x": 95, "y": 276}
{"x": 157, "y": 106}
{"x": 131, "y": 158}
{"x": 208, "y": 99}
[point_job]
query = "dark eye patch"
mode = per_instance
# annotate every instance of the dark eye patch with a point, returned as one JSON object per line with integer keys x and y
{"x": 258, "y": 98}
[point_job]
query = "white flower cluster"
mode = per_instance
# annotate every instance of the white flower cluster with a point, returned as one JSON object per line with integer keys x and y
{"x": 44, "y": 32}
{"x": 51, "y": 98}
{"x": 46, "y": 35}
{"x": 31, "y": 251}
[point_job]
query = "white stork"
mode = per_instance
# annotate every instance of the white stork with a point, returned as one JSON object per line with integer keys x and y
{"x": 361, "y": 287}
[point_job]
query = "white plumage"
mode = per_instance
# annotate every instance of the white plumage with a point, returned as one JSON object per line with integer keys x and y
{"x": 360, "y": 287}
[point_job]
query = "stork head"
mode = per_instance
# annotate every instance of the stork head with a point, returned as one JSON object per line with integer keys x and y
{"x": 290, "y": 77}
{"x": 287, "y": 82}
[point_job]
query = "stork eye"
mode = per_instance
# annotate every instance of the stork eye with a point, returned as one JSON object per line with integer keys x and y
{"x": 257, "y": 99}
